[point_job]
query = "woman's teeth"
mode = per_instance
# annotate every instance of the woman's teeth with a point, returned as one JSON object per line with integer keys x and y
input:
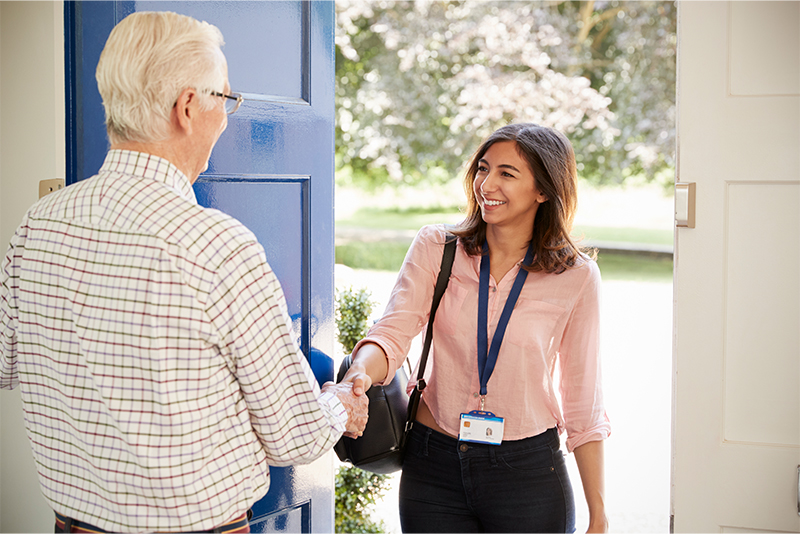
{"x": 493, "y": 202}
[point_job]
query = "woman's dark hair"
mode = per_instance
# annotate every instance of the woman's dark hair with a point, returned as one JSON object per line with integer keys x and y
{"x": 551, "y": 159}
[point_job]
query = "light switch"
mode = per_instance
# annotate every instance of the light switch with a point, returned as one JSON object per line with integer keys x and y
{"x": 48, "y": 186}
{"x": 684, "y": 204}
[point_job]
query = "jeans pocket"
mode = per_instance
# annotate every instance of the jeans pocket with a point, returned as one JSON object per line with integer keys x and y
{"x": 416, "y": 445}
{"x": 534, "y": 462}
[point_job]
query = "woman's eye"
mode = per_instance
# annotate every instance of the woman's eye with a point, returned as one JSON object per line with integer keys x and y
{"x": 482, "y": 168}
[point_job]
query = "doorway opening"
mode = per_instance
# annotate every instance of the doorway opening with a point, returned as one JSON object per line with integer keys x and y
{"x": 419, "y": 86}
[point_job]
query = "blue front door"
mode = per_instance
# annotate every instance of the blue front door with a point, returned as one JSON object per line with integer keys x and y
{"x": 272, "y": 169}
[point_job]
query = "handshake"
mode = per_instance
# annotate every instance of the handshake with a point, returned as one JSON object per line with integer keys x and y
{"x": 352, "y": 390}
{"x": 355, "y": 402}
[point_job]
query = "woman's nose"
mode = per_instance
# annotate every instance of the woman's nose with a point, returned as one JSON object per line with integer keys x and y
{"x": 487, "y": 184}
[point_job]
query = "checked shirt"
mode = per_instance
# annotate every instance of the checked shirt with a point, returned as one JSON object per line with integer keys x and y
{"x": 151, "y": 344}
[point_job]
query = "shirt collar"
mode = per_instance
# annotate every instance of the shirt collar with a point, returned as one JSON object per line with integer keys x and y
{"x": 146, "y": 165}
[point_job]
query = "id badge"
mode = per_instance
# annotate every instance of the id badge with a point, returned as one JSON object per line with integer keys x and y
{"x": 481, "y": 427}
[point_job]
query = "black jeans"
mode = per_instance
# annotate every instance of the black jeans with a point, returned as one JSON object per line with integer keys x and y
{"x": 452, "y": 486}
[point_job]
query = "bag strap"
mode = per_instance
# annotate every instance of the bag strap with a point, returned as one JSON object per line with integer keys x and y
{"x": 448, "y": 256}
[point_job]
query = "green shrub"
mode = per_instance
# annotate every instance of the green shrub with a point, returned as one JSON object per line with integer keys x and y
{"x": 353, "y": 307}
{"x": 356, "y": 490}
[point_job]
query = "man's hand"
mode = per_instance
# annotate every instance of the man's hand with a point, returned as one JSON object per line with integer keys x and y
{"x": 356, "y": 406}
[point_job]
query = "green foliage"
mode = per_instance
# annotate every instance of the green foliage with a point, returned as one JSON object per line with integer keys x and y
{"x": 356, "y": 491}
{"x": 353, "y": 307}
{"x": 418, "y": 84}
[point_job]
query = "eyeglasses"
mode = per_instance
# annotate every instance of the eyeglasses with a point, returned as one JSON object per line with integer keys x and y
{"x": 232, "y": 101}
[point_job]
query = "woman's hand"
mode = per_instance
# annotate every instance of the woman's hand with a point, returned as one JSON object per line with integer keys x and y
{"x": 369, "y": 366}
{"x": 358, "y": 378}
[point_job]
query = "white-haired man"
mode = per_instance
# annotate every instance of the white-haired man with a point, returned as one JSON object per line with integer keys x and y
{"x": 149, "y": 337}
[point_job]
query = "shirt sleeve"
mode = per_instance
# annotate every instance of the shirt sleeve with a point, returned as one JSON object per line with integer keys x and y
{"x": 410, "y": 301}
{"x": 9, "y": 294}
{"x": 294, "y": 422}
{"x": 579, "y": 357}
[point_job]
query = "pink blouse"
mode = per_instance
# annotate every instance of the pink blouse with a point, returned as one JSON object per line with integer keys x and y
{"x": 552, "y": 337}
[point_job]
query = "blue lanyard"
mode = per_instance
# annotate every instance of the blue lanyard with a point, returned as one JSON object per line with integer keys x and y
{"x": 488, "y": 358}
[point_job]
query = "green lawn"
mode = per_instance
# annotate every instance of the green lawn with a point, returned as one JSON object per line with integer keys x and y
{"x": 635, "y": 267}
{"x": 377, "y": 256}
{"x": 388, "y": 256}
{"x": 415, "y": 218}
{"x": 648, "y": 236}
{"x": 400, "y": 219}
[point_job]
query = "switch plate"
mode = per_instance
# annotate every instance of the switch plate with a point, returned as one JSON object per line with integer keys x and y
{"x": 48, "y": 186}
{"x": 684, "y": 204}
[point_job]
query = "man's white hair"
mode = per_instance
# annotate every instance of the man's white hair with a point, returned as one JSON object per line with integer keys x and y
{"x": 148, "y": 60}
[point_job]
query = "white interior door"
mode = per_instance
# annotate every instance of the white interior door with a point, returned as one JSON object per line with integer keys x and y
{"x": 736, "y": 427}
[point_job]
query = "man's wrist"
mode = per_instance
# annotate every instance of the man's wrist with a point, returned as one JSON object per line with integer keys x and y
{"x": 335, "y": 408}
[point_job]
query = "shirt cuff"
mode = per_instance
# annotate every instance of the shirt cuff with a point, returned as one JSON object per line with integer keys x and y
{"x": 598, "y": 433}
{"x": 335, "y": 413}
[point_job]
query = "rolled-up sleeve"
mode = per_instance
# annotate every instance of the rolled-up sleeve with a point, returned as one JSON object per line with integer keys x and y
{"x": 409, "y": 304}
{"x": 579, "y": 356}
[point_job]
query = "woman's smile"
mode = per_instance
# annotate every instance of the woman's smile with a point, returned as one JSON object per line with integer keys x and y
{"x": 506, "y": 188}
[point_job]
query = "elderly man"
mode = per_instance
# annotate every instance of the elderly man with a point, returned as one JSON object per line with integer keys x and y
{"x": 159, "y": 375}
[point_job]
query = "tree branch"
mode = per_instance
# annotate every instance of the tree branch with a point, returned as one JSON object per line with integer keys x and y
{"x": 587, "y": 9}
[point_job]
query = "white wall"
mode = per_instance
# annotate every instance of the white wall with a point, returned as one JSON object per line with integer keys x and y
{"x": 32, "y": 148}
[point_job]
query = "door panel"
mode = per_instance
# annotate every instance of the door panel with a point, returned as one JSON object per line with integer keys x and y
{"x": 272, "y": 169}
{"x": 756, "y": 386}
{"x": 281, "y": 218}
{"x": 736, "y": 426}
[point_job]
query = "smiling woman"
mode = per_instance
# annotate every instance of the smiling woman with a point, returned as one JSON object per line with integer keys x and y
{"x": 518, "y": 278}
{"x": 531, "y": 193}
{"x": 505, "y": 187}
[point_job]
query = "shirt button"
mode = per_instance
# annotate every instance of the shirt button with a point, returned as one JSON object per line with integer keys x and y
{"x": 475, "y": 395}
{"x": 494, "y": 289}
{"x": 463, "y": 447}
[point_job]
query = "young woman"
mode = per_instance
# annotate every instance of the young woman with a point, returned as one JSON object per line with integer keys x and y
{"x": 484, "y": 455}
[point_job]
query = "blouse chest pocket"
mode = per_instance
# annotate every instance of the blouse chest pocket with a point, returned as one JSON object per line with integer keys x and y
{"x": 452, "y": 315}
{"x": 533, "y": 324}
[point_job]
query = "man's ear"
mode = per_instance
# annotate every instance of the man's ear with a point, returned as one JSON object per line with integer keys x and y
{"x": 185, "y": 110}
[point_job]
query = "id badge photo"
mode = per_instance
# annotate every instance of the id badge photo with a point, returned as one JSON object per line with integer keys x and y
{"x": 481, "y": 427}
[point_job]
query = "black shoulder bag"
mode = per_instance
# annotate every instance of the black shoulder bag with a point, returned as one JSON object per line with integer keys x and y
{"x": 391, "y": 411}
